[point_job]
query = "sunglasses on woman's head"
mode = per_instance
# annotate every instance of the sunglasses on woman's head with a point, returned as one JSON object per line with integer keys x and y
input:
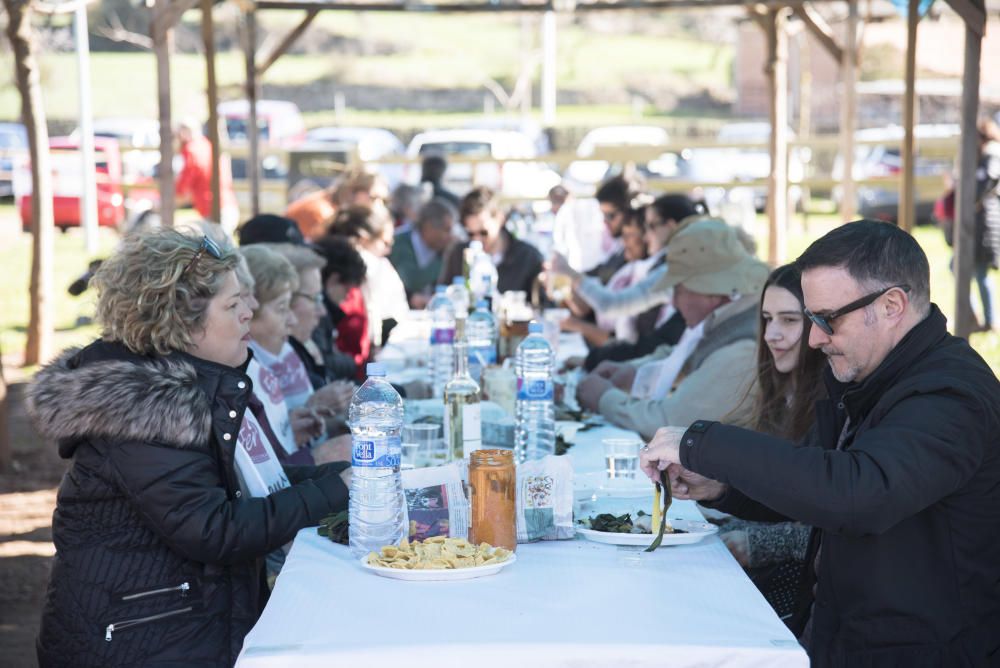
{"x": 207, "y": 246}
{"x": 823, "y": 319}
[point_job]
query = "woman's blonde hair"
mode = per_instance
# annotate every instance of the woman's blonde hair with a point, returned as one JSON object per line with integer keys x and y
{"x": 272, "y": 273}
{"x": 153, "y": 293}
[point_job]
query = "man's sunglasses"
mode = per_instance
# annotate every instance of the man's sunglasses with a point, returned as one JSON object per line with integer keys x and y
{"x": 473, "y": 234}
{"x": 823, "y": 320}
{"x": 207, "y": 246}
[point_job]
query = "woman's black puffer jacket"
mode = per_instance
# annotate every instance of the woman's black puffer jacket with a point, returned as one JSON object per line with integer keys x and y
{"x": 159, "y": 557}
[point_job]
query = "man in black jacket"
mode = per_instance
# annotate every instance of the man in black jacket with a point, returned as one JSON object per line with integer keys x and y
{"x": 900, "y": 476}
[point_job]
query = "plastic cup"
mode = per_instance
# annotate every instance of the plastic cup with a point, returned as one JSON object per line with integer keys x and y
{"x": 621, "y": 457}
{"x": 422, "y": 445}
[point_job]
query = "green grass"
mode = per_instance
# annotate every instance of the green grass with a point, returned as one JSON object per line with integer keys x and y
{"x": 69, "y": 261}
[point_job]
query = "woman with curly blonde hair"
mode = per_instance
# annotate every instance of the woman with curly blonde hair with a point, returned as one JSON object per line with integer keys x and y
{"x": 160, "y": 538}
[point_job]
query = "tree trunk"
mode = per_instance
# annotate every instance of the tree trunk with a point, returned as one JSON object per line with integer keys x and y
{"x": 22, "y": 39}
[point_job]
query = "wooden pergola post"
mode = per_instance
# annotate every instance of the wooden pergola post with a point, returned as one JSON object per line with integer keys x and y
{"x": 848, "y": 111}
{"x": 250, "y": 57}
{"x": 208, "y": 37}
{"x": 777, "y": 183}
{"x": 974, "y": 14}
{"x": 907, "y": 210}
{"x": 161, "y": 30}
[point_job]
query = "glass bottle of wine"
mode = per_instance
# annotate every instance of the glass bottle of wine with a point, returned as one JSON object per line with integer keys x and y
{"x": 463, "y": 426}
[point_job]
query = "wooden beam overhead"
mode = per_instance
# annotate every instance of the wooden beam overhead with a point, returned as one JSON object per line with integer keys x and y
{"x": 173, "y": 12}
{"x": 550, "y": 5}
{"x": 972, "y": 12}
{"x": 287, "y": 42}
{"x": 820, "y": 29}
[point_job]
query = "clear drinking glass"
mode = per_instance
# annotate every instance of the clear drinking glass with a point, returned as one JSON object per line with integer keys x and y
{"x": 621, "y": 457}
{"x": 422, "y": 445}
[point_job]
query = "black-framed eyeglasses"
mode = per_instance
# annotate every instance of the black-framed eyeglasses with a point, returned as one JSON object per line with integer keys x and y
{"x": 473, "y": 234}
{"x": 316, "y": 299}
{"x": 209, "y": 246}
{"x": 823, "y": 320}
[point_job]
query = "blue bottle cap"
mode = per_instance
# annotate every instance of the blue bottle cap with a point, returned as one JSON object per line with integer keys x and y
{"x": 482, "y": 303}
{"x": 458, "y": 280}
{"x": 440, "y": 288}
{"x": 375, "y": 369}
{"x": 535, "y": 327}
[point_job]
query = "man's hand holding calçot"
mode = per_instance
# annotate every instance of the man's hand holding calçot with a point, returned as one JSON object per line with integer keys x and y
{"x": 663, "y": 453}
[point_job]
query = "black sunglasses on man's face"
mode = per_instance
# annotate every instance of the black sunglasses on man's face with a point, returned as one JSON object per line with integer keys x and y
{"x": 823, "y": 319}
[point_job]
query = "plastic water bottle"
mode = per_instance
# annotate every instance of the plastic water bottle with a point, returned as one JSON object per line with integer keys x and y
{"x": 442, "y": 339}
{"x": 376, "y": 501}
{"x": 459, "y": 296}
{"x": 482, "y": 273}
{"x": 535, "y": 431}
{"x": 481, "y": 332}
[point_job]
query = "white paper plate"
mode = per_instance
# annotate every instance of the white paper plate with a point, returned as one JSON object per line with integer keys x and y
{"x": 438, "y": 573}
{"x": 694, "y": 532}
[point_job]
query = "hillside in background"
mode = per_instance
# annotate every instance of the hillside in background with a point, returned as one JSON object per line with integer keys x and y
{"x": 391, "y": 64}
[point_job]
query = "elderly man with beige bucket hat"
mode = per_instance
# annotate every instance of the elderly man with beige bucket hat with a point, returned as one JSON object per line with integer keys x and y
{"x": 709, "y": 372}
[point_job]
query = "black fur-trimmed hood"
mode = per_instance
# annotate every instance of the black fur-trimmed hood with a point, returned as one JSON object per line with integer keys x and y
{"x": 107, "y": 392}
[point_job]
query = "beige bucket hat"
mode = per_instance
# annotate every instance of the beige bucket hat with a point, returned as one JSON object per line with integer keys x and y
{"x": 707, "y": 256}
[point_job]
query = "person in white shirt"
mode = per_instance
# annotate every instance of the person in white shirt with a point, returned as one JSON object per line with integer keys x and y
{"x": 370, "y": 230}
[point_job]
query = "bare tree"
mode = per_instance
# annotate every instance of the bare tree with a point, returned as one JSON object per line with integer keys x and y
{"x": 23, "y": 43}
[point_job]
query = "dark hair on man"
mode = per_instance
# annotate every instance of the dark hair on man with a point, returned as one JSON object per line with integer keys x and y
{"x": 675, "y": 207}
{"x": 342, "y": 259}
{"x": 437, "y": 213}
{"x": 359, "y": 222}
{"x": 478, "y": 200}
{"x": 616, "y": 191}
{"x": 636, "y": 218}
{"x": 876, "y": 255}
{"x": 432, "y": 169}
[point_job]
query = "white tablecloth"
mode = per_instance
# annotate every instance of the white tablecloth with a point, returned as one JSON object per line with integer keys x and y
{"x": 569, "y": 603}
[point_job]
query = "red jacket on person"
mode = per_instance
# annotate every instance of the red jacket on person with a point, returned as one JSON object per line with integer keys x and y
{"x": 195, "y": 178}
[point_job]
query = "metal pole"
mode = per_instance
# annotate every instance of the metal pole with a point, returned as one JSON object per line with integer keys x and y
{"x": 965, "y": 191}
{"x": 253, "y": 162}
{"x": 906, "y": 191}
{"x": 848, "y": 112}
{"x": 208, "y": 37}
{"x": 88, "y": 195}
{"x": 549, "y": 69}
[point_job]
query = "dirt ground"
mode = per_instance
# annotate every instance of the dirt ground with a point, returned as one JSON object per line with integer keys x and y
{"x": 27, "y": 498}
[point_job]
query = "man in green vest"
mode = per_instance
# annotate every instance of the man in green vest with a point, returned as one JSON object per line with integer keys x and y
{"x": 416, "y": 253}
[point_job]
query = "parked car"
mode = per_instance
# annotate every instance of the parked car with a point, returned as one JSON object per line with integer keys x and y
{"x": 280, "y": 125}
{"x": 584, "y": 174}
{"x": 279, "y": 122}
{"x": 13, "y": 144}
{"x": 516, "y": 180}
{"x": 317, "y": 161}
{"x": 754, "y": 162}
{"x": 67, "y": 184}
{"x": 873, "y": 160}
{"x": 138, "y": 141}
